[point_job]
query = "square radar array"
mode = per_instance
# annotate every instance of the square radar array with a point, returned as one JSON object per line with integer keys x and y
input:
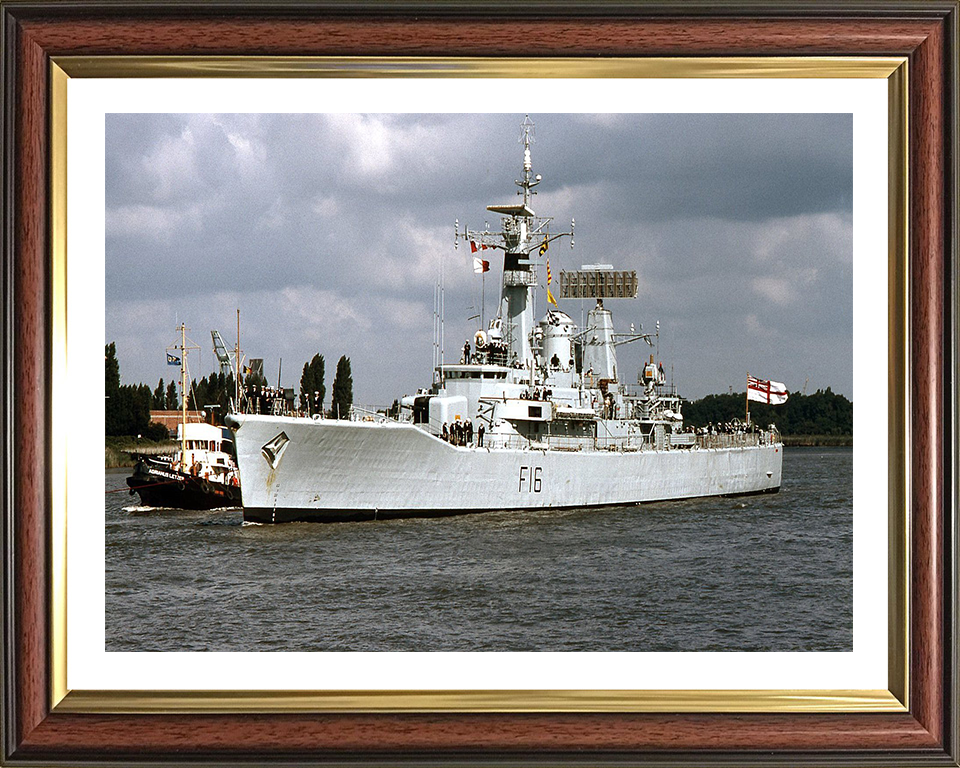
{"x": 598, "y": 282}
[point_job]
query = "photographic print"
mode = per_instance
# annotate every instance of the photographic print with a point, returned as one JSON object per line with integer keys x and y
{"x": 479, "y": 382}
{"x": 165, "y": 190}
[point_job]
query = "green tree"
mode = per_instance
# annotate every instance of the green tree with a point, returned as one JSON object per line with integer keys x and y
{"x": 172, "y": 399}
{"x": 342, "y": 397}
{"x": 141, "y": 400}
{"x": 127, "y": 407}
{"x": 200, "y": 394}
{"x": 822, "y": 413}
{"x": 113, "y": 406}
{"x": 156, "y": 431}
{"x": 218, "y": 395}
{"x": 158, "y": 397}
{"x": 192, "y": 395}
{"x": 119, "y": 412}
{"x": 213, "y": 390}
{"x": 226, "y": 387}
{"x": 313, "y": 391}
{"x": 254, "y": 378}
{"x": 306, "y": 388}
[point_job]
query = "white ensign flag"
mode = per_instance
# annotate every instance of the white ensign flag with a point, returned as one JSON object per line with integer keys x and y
{"x": 770, "y": 392}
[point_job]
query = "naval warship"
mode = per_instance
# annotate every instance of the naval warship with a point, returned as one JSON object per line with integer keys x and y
{"x": 537, "y": 414}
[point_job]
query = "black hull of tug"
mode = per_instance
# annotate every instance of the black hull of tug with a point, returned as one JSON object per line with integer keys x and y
{"x": 158, "y": 485}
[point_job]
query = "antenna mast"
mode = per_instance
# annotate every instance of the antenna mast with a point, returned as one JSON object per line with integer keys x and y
{"x": 526, "y": 136}
{"x": 524, "y": 239}
{"x": 184, "y": 349}
{"x": 237, "y": 358}
{"x": 183, "y": 389}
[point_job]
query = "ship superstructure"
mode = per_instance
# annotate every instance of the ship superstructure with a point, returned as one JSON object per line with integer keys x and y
{"x": 537, "y": 413}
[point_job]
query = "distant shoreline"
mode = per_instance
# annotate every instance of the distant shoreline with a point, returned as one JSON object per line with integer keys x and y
{"x": 116, "y": 447}
{"x": 819, "y": 441}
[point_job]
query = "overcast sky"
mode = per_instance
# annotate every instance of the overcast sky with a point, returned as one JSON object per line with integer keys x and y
{"x": 327, "y": 231}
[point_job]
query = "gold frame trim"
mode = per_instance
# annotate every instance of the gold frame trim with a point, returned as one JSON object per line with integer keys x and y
{"x": 58, "y": 367}
{"x": 898, "y": 415}
{"x": 466, "y": 67}
{"x": 893, "y": 69}
{"x": 383, "y": 702}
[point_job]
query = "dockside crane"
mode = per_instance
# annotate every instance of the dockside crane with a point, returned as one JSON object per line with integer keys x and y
{"x": 226, "y": 364}
{"x": 223, "y": 357}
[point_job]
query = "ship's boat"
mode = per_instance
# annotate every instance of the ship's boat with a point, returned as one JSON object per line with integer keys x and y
{"x": 534, "y": 415}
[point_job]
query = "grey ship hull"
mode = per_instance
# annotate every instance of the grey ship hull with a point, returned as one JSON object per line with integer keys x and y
{"x": 340, "y": 470}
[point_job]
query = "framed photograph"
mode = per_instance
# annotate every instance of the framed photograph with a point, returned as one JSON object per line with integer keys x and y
{"x": 329, "y": 166}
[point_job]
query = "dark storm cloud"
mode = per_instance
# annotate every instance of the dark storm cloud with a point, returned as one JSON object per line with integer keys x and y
{"x": 730, "y": 166}
{"x": 327, "y": 231}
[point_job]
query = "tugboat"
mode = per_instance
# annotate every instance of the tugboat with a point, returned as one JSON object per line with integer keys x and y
{"x": 203, "y": 474}
{"x": 536, "y": 415}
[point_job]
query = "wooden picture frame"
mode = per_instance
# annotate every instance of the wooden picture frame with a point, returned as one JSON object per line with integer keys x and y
{"x": 39, "y": 730}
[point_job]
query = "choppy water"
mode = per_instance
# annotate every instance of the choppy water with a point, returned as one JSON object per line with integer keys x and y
{"x": 759, "y": 573}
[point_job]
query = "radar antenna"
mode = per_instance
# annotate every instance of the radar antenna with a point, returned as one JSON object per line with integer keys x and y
{"x": 527, "y": 131}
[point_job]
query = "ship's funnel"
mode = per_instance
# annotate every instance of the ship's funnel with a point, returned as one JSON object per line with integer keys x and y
{"x": 557, "y": 333}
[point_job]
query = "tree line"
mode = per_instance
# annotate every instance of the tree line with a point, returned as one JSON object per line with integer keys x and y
{"x": 313, "y": 389}
{"x": 215, "y": 390}
{"x": 822, "y": 413}
{"x": 128, "y": 406}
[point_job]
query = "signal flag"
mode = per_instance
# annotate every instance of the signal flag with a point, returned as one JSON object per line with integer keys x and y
{"x": 762, "y": 391}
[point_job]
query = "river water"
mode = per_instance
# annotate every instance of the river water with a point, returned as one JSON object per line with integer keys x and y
{"x": 758, "y": 573}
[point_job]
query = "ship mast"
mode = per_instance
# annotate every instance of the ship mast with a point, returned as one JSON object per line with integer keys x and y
{"x": 236, "y": 378}
{"x": 526, "y": 136}
{"x": 184, "y": 349}
{"x": 523, "y": 238}
{"x": 183, "y": 390}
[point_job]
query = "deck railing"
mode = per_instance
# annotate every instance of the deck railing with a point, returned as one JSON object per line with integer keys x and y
{"x": 730, "y": 440}
{"x": 632, "y": 443}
